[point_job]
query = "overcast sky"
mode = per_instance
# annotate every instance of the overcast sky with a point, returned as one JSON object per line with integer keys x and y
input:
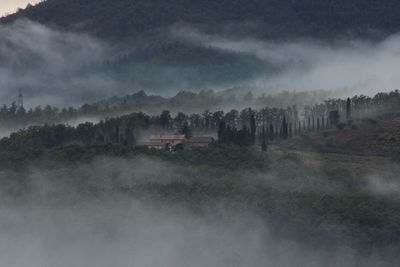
{"x": 10, "y": 6}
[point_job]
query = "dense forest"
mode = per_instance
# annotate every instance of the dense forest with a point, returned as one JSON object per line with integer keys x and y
{"x": 178, "y": 63}
{"x": 241, "y": 127}
{"x": 206, "y": 109}
{"x": 268, "y": 19}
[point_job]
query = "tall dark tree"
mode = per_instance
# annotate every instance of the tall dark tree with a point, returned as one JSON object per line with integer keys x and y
{"x": 207, "y": 116}
{"x": 185, "y": 130}
{"x": 253, "y": 129}
{"x": 222, "y": 132}
{"x": 244, "y": 137}
{"x": 165, "y": 119}
{"x": 334, "y": 117}
{"x": 285, "y": 129}
{"x": 348, "y": 109}
{"x": 271, "y": 132}
{"x": 264, "y": 140}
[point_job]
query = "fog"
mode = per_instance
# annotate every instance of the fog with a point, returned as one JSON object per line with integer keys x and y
{"x": 104, "y": 212}
{"x": 63, "y": 69}
{"x": 385, "y": 182}
{"x": 347, "y": 66}
{"x": 50, "y": 66}
{"x": 170, "y": 210}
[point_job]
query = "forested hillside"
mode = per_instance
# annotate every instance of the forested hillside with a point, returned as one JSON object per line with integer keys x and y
{"x": 265, "y": 18}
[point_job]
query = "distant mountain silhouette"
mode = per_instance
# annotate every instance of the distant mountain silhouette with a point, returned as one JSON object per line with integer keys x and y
{"x": 121, "y": 19}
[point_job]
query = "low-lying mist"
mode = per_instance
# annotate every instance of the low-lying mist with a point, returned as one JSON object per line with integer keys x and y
{"x": 347, "y": 66}
{"x": 63, "y": 68}
{"x": 145, "y": 211}
{"x": 50, "y": 66}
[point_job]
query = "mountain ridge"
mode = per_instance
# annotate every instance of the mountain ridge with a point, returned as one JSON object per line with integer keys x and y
{"x": 124, "y": 19}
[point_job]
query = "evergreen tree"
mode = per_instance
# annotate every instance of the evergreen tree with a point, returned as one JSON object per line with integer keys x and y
{"x": 348, "y": 109}
{"x": 285, "y": 130}
{"x": 271, "y": 132}
{"x": 334, "y": 117}
{"x": 264, "y": 140}
{"x": 253, "y": 129}
{"x": 222, "y": 132}
{"x": 165, "y": 119}
{"x": 185, "y": 130}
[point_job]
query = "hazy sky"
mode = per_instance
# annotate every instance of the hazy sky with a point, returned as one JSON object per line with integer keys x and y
{"x": 10, "y": 6}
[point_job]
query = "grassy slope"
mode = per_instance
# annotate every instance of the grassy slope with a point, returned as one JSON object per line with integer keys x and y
{"x": 367, "y": 138}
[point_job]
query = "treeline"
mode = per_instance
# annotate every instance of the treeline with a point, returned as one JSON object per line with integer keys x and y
{"x": 301, "y": 105}
{"x": 245, "y": 127}
{"x": 12, "y": 115}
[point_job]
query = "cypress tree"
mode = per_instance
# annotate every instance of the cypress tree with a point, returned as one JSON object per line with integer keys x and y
{"x": 264, "y": 140}
{"x": 285, "y": 130}
{"x": 271, "y": 132}
{"x": 221, "y": 132}
{"x": 253, "y": 129}
{"x": 348, "y": 109}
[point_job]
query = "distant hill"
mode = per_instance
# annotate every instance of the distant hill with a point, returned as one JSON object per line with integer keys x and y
{"x": 121, "y": 19}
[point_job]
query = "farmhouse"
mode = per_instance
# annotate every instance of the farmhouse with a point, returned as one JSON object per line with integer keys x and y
{"x": 164, "y": 141}
{"x": 171, "y": 139}
{"x": 172, "y": 142}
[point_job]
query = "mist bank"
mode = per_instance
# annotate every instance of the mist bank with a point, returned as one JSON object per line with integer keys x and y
{"x": 352, "y": 66}
{"x": 61, "y": 68}
{"x": 152, "y": 211}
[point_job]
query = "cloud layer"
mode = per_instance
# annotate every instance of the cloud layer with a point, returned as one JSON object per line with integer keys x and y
{"x": 59, "y": 68}
{"x": 351, "y": 67}
{"x": 50, "y": 66}
{"x": 89, "y": 214}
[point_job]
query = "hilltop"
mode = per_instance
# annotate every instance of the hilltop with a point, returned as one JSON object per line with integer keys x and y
{"x": 122, "y": 19}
